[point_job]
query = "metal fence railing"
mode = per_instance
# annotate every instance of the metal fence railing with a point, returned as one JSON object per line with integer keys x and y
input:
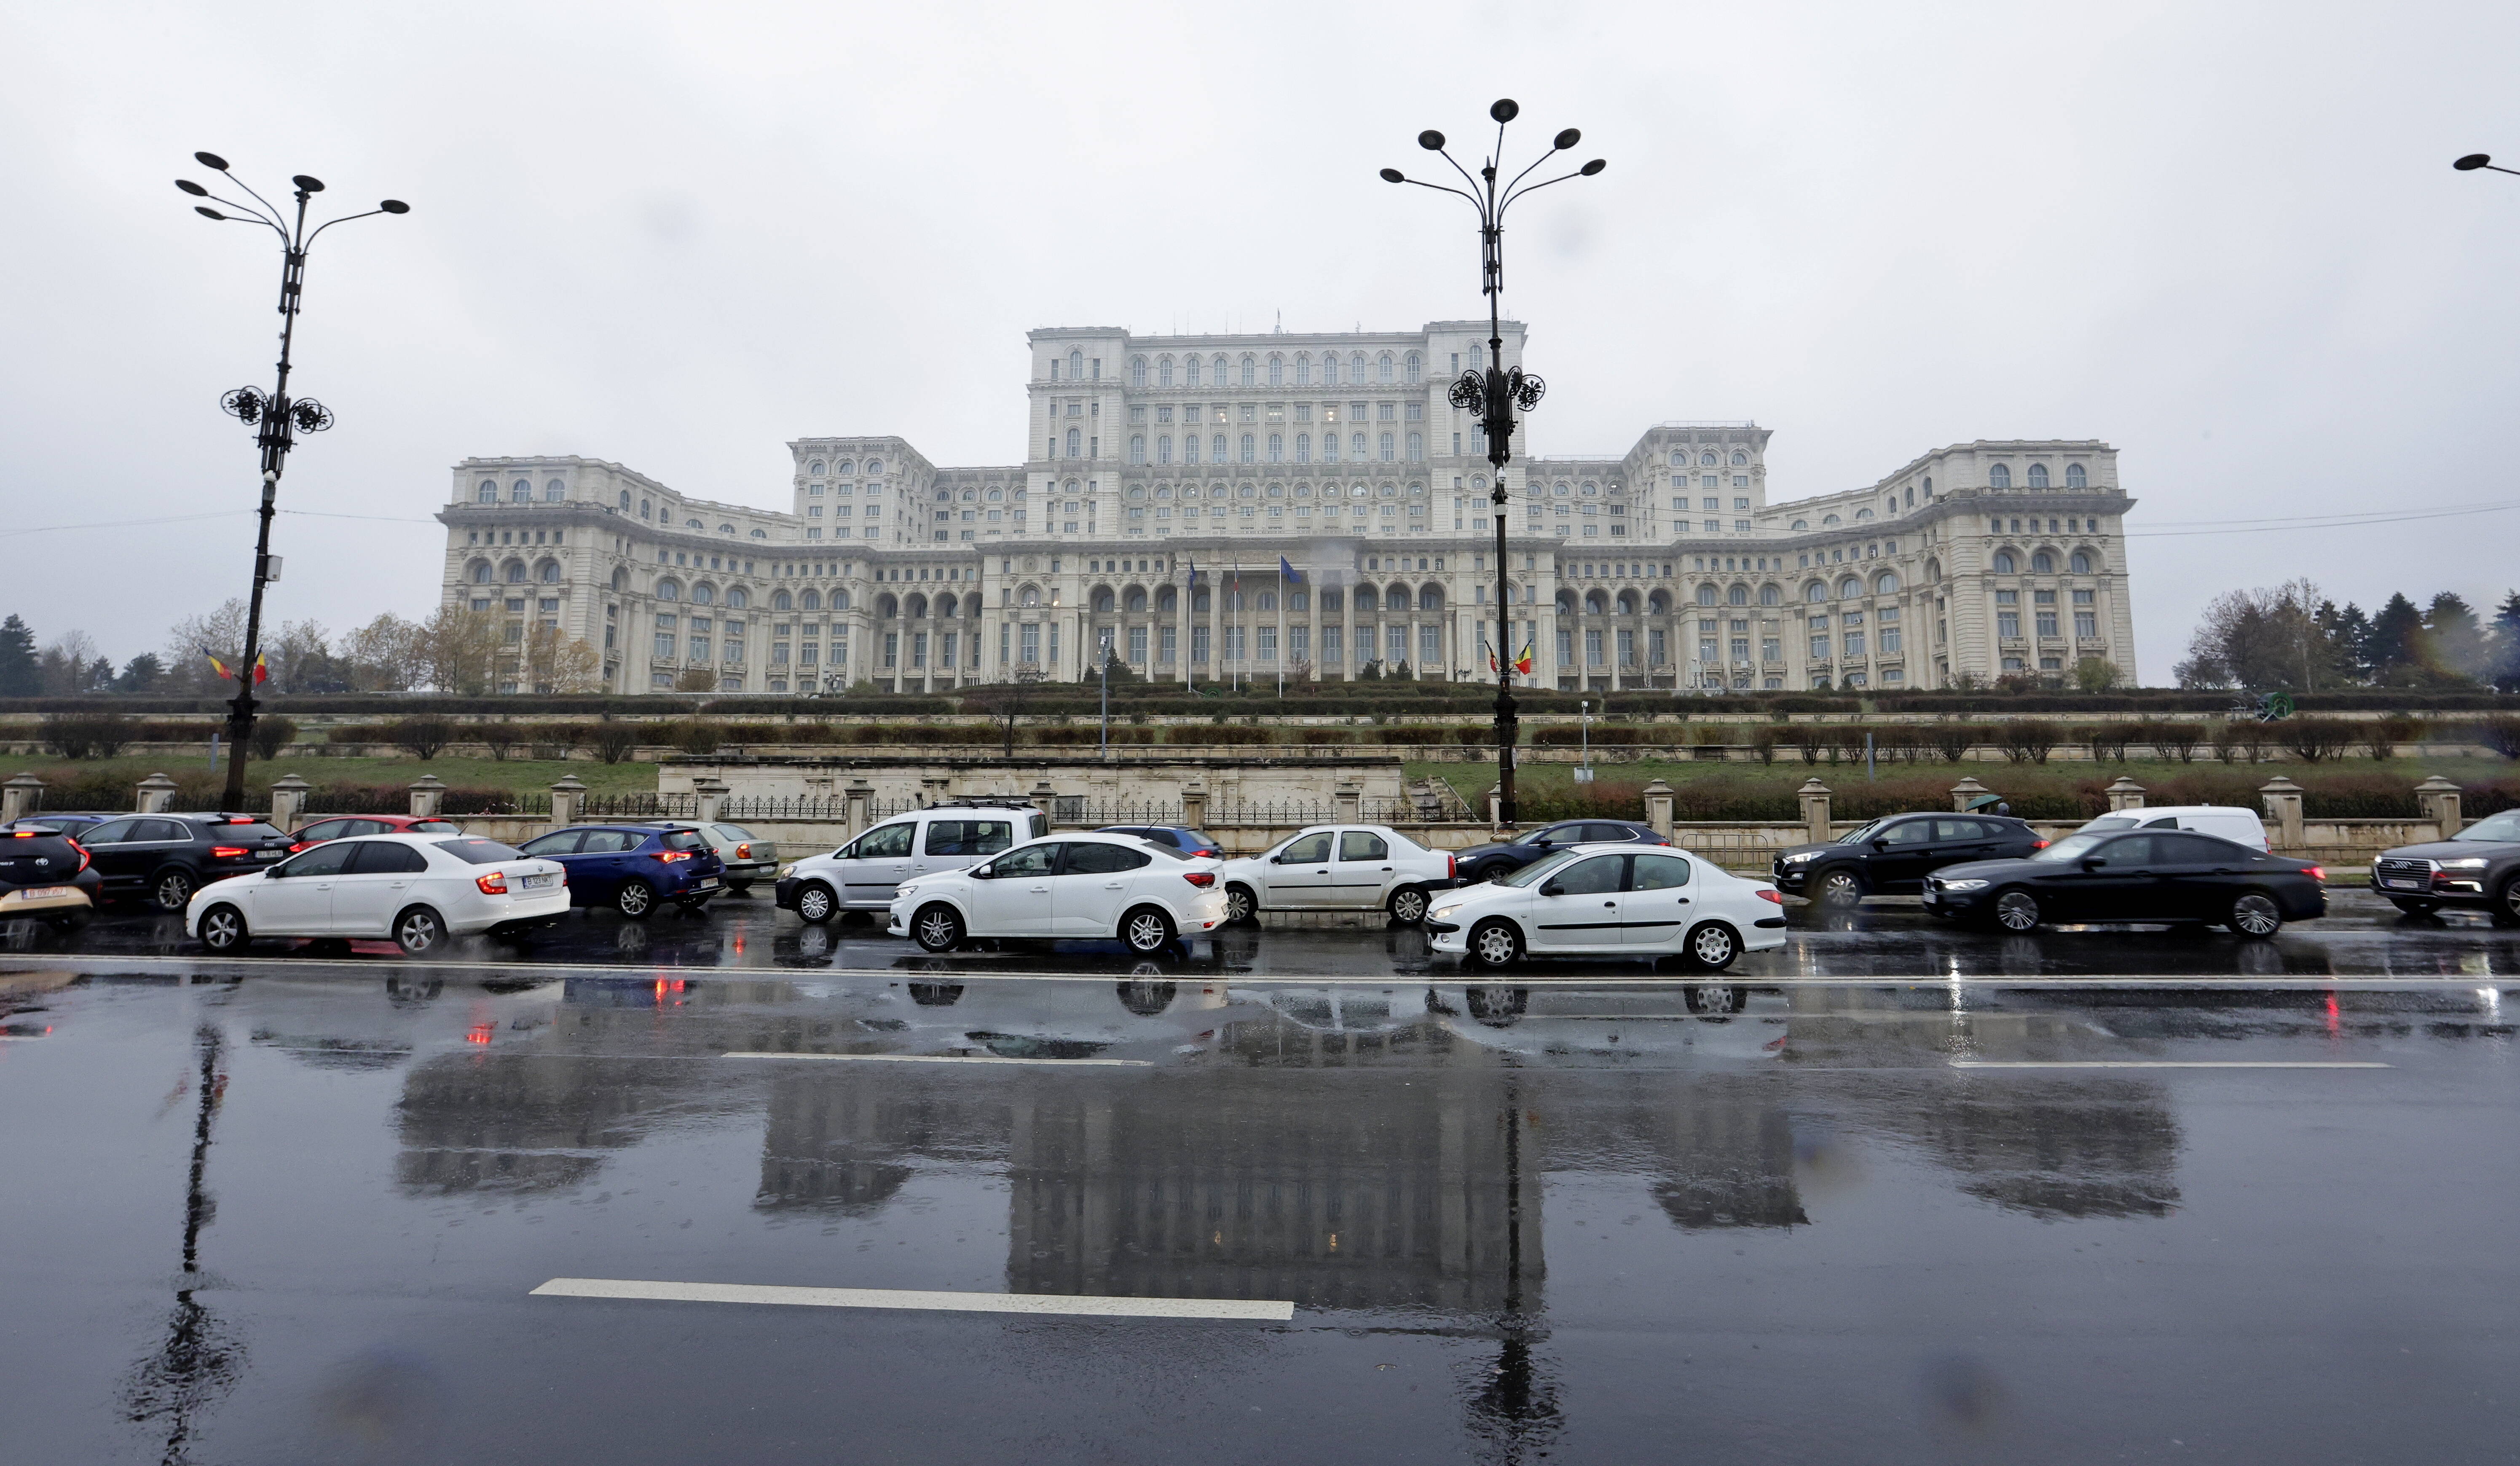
{"x": 640, "y": 807}
{"x": 826, "y": 810}
{"x": 1081, "y": 810}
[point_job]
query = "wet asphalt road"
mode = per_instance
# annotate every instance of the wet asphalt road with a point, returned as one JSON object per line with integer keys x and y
{"x": 1925, "y": 1195}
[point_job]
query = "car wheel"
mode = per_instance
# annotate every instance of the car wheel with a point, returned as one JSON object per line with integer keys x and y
{"x": 1407, "y": 906}
{"x": 2017, "y": 910}
{"x": 418, "y": 932}
{"x": 2414, "y": 908}
{"x": 937, "y": 929}
{"x": 635, "y": 899}
{"x": 2506, "y": 903}
{"x": 1240, "y": 905}
{"x": 2254, "y": 913}
{"x": 1717, "y": 1000}
{"x": 1496, "y": 943}
{"x": 1146, "y": 930}
{"x": 223, "y": 929}
{"x": 1839, "y": 890}
{"x": 1490, "y": 873}
{"x": 1713, "y": 946}
{"x": 816, "y": 903}
{"x": 172, "y": 891}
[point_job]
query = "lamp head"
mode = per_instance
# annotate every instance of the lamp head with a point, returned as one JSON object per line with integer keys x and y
{"x": 2473, "y": 162}
{"x": 1595, "y": 167}
{"x": 306, "y": 184}
{"x": 1568, "y": 139}
{"x": 208, "y": 213}
{"x": 211, "y": 160}
{"x": 189, "y": 187}
{"x": 1431, "y": 140}
{"x": 1506, "y": 110}
{"x": 394, "y": 206}
{"x": 1394, "y": 175}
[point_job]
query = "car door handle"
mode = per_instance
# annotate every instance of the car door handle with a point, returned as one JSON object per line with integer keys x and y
{"x": 1113, "y": 884}
{"x": 1682, "y": 901}
{"x": 1610, "y": 903}
{"x": 322, "y": 886}
{"x": 1386, "y": 870}
{"x": 1036, "y": 889}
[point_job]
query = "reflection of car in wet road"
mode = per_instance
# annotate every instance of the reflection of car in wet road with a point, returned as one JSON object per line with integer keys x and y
{"x": 1615, "y": 1025}
{"x": 2147, "y": 876}
{"x": 1891, "y": 856}
{"x": 1595, "y": 901}
{"x": 2478, "y": 868}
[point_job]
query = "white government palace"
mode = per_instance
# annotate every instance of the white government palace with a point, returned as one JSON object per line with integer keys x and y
{"x": 1152, "y": 458}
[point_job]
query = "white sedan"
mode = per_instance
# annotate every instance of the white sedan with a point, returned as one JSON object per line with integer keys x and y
{"x": 416, "y": 888}
{"x": 1338, "y": 868}
{"x": 1598, "y": 900}
{"x": 1081, "y": 887}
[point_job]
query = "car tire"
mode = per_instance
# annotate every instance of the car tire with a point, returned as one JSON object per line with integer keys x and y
{"x": 2414, "y": 908}
{"x": 816, "y": 903}
{"x": 2254, "y": 913}
{"x": 1146, "y": 930}
{"x": 1716, "y": 999}
{"x": 223, "y": 930}
{"x": 2506, "y": 903}
{"x": 1496, "y": 943}
{"x": 1490, "y": 873}
{"x": 1712, "y": 945}
{"x": 635, "y": 899}
{"x": 171, "y": 889}
{"x": 936, "y": 928}
{"x": 419, "y": 931}
{"x": 1407, "y": 906}
{"x": 2016, "y": 910}
{"x": 1839, "y": 889}
{"x": 1242, "y": 905}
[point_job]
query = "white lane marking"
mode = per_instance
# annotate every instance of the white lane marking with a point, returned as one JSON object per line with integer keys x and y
{"x": 942, "y": 1059}
{"x": 2164, "y": 1064}
{"x": 1271, "y": 1311}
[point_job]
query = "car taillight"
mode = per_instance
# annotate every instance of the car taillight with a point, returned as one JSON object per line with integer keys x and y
{"x": 84, "y": 856}
{"x": 297, "y": 845}
{"x": 229, "y": 853}
{"x": 493, "y": 884}
{"x": 2039, "y": 845}
{"x": 744, "y": 853}
{"x": 1203, "y": 878}
{"x": 2318, "y": 873}
{"x": 670, "y": 857}
{"x": 1767, "y": 893}
{"x": 1452, "y": 868}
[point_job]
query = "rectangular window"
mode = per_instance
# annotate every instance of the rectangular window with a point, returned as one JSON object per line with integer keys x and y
{"x": 1565, "y": 647}
{"x": 1430, "y": 645}
{"x": 2046, "y": 620}
{"x": 891, "y": 650}
{"x": 1854, "y": 643}
{"x": 1268, "y": 644}
{"x": 1396, "y": 644}
{"x": 1168, "y": 645}
{"x": 1889, "y": 640}
{"x": 1654, "y": 646}
{"x": 664, "y": 646}
{"x": 2007, "y": 624}
{"x": 1819, "y": 649}
{"x": 808, "y": 653}
{"x": 1234, "y": 642}
{"x": 1330, "y": 638}
{"x": 2087, "y": 623}
{"x": 1772, "y": 649}
{"x": 1137, "y": 645}
{"x": 1627, "y": 647}
{"x": 1740, "y": 649}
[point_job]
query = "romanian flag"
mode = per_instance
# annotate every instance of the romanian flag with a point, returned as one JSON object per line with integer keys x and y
{"x": 1522, "y": 663}
{"x": 226, "y": 674}
{"x": 1492, "y": 662}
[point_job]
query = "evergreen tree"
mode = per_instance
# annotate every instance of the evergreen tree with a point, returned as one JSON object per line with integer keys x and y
{"x": 141, "y": 673}
{"x": 2347, "y": 631}
{"x": 2506, "y": 643}
{"x": 19, "y": 674}
{"x": 2455, "y": 639}
{"x": 2395, "y": 648}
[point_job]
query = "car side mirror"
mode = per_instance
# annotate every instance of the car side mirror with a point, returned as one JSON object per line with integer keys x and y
{"x": 980, "y": 873}
{"x": 1552, "y": 888}
{"x": 1881, "y": 844}
{"x": 2092, "y": 862}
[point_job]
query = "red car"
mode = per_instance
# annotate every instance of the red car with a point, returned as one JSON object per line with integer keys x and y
{"x": 339, "y": 826}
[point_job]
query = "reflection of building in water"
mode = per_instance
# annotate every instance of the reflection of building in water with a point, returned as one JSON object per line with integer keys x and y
{"x": 846, "y": 1138}
{"x": 1419, "y": 1197}
{"x": 2100, "y": 1148}
{"x": 1718, "y": 1149}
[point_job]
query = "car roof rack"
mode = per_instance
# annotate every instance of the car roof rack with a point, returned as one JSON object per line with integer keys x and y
{"x": 980, "y": 802}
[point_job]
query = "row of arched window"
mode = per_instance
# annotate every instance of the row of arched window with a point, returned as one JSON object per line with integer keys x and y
{"x": 2043, "y": 562}
{"x": 520, "y": 493}
{"x": 1680, "y": 458}
{"x": 546, "y": 573}
{"x": 843, "y": 469}
{"x": 809, "y": 600}
{"x": 1386, "y": 446}
{"x": 1271, "y": 369}
{"x": 2000, "y": 476}
{"x": 702, "y": 593}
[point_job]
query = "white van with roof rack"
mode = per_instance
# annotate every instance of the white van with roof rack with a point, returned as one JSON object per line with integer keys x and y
{"x": 2229, "y": 821}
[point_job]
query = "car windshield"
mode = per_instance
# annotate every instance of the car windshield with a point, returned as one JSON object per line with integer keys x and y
{"x": 2108, "y": 822}
{"x": 1538, "y": 870}
{"x": 478, "y": 851}
{"x": 2503, "y": 828}
{"x": 2071, "y": 848}
{"x": 1862, "y": 834}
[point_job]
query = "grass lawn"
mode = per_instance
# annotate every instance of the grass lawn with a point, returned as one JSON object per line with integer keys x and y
{"x": 521, "y": 775}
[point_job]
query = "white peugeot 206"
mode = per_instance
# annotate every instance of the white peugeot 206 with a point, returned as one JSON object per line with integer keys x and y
{"x": 1601, "y": 901}
{"x": 419, "y": 890}
{"x": 1078, "y": 886}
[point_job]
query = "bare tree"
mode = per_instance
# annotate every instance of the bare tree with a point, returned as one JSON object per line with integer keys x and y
{"x": 1005, "y": 700}
{"x": 300, "y": 656}
{"x": 221, "y": 633}
{"x": 2267, "y": 637}
{"x": 384, "y": 655}
{"x": 558, "y": 662}
{"x": 457, "y": 649}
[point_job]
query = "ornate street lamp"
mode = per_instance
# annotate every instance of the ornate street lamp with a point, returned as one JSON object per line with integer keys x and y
{"x": 276, "y": 418}
{"x": 1496, "y": 392}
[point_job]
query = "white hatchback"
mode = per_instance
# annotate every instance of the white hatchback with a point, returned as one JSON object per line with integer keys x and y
{"x": 1339, "y": 868}
{"x": 416, "y": 888}
{"x": 1597, "y": 900}
{"x": 1080, "y": 887}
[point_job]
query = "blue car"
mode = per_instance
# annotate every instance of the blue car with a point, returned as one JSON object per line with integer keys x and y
{"x": 1181, "y": 837}
{"x": 633, "y": 868}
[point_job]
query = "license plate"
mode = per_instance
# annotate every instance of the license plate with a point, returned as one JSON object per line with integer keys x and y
{"x": 709, "y": 884}
{"x": 2401, "y": 884}
{"x": 269, "y": 854}
{"x": 46, "y": 892}
{"x": 533, "y": 882}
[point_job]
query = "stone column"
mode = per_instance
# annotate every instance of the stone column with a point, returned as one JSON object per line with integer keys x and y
{"x": 427, "y": 796}
{"x": 288, "y": 802}
{"x": 1967, "y": 791}
{"x": 21, "y": 796}
{"x": 1815, "y": 801}
{"x": 709, "y": 792}
{"x": 1658, "y": 807}
{"x": 2125, "y": 794}
{"x": 1347, "y": 800}
{"x": 2437, "y": 798}
{"x": 156, "y": 795}
{"x": 857, "y": 804}
{"x": 568, "y": 800}
{"x": 1194, "y": 804}
{"x": 1046, "y": 800}
{"x": 2283, "y": 810}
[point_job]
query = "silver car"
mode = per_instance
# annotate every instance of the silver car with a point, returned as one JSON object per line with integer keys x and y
{"x": 745, "y": 857}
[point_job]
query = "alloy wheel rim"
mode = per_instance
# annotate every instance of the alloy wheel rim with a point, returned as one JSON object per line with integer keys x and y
{"x": 2255, "y": 915}
{"x": 1236, "y": 904}
{"x": 936, "y": 930}
{"x": 1409, "y": 905}
{"x": 1839, "y": 887}
{"x": 220, "y": 929}
{"x": 2511, "y": 899}
{"x": 812, "y": 905}
{"x": 1146, "y": 933}
{"x": 2017, "y": 911}
{"x": 419, "y": 933}
{"x": 174, "y": 891}
{"x": 634, "y": 898}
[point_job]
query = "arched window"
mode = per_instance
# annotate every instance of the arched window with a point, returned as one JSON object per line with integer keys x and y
{"x": 2005, "y": 564}
{"x": 1367, "y": 598}
{"x": 515, "y": 572}
{"x": 813, "y": 600}
{"x": 1356, "y": 368}
{"x": 781, "y": 600}
{"x": 945, "y": 608}
{"x": 625, "y": 502}
{"x": 2075, "y": 477}
{"x": 703, "y": 595}
{"x": 669, "y": 590}
{"x": 693, "y": 525}
{"x": 1815, "y": 592}
{"x": 1276, "y": 371}
{"x": 1251, "y": 453}
{"x": 1216, "y": 364}
{"x": 2043, "y": 563}
{"x": 1329, "y": 371}
{"x": 1190, "y": 370}
{"x": 1739, "y": 595}
{"x": 620, "y": 578}
{"x": 815, "y": 467}
{"x": 1886, "y": 583}
{"x": 1596, "y": 602}
{"x": 1250, "y": 370}
{"x": 488, "y": 494}
{"x": 1303, "y": 369}
{"x": 1706, "y": 460}
{"x": 1771, "y": 595}
{"x": 1101, "y": 602}
{"x": 1998, "y": 476}
{"x": 1933, "y": 570}
{"x": 2038, "y": 476}
{"x": 1706, "y": 595}
{"x": 1382, "y": 367}
{"x": 1849, "y": 588}
{"x": 555, "y": 492}
{"x": 480, "y": 572}
{"x": 1076, "y": 366}
{"x": 726, "y": 529}
{"x": 1164, "y": 448}
{"x": 1164, "y": 371}
{"x": 1416, "y": 447}
{"x": 646, "y": 508}
{"x": 839, "y": 600}
{"x": 1827, "y": 520}
{"x": 874, "y": 467}
{"x": 1075, "y": 444}
{"x": 760, "y": 534}
{"x": 520, "y": 493}
{"x": 1864, "y": 513}
{"x": 1430, "y": 598}
{"x": 548, "y": 573}
{"x": 1739, "y": 458}
{"x": 1276, "y": 447}
{"x": 2082, "y": 562}
{"x": 1136, "y": 599}
{"x": 1137, "y": 447}
{"x": 737, "y": 597}
{"x": 1138, "y": 372}
{"x": 1413, "y": 367}
{"x": 1802, "y": 524}
{"x": 1031, "y": 594}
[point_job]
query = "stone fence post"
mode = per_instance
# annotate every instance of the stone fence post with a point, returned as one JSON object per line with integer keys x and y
{"x": 857, "y": 805}
{"x": 288, "y": 802}
{"x": 2437, "y": 798}
{"x": 1193, "y": 799}
{"x": 1046, "y": 800}
{"x": 2283, "y": 810}
{"x": 157, "y": 795}
{"x": 1966, "y": 793}
{"x": 427, "y": 796}
{"x": 568, "y": 800}
{"x": 21, "y": 796}
{"x": 1815, "y": 799}
{"x": 1348, "y": 801}
{"x": 1496, "y": 806}
{"x": 2125, "y": 794}
{"x": 709, "y": 795}
{"x": 1658, "y": 807}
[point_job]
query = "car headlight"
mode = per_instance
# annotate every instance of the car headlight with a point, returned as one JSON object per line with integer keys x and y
{"x": 1445, "y": 913}
{"x": 1799, "y": 859}
{"x": 1970, "y": 885}
{"x": 786, "y": 870}
{"x": 2472, "y": 862}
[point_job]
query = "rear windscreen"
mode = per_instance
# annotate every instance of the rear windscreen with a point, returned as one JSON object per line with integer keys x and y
{"x": 247, "y": 829}
{"x": 684, "y": 840}
{"x": 479, "y": 851}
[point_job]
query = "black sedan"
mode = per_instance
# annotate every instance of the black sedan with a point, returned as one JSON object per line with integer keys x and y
{"x": 1488, "y": 862}
{"x": 2150, "y": 876}
{"x": 45, "y": 876}
{"x": 2478, "y": 867}
{"x": 1893, "y": 855}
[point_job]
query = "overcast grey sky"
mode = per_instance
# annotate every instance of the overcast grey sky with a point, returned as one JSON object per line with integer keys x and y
{"x": 2226, "y": 239}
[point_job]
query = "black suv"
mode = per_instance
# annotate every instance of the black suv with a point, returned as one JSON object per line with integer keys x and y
{"x": 2478, "y": 867}
{"x": 1893, "y": 855}
{"x": 1489, "y": 862}
{"x": 166, "y": 857}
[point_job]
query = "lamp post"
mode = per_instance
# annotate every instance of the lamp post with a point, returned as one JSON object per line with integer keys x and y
{"x": 2475, "y": 161}
{"x": 277, "y": 419}
{"x": 1495, "y": 393}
